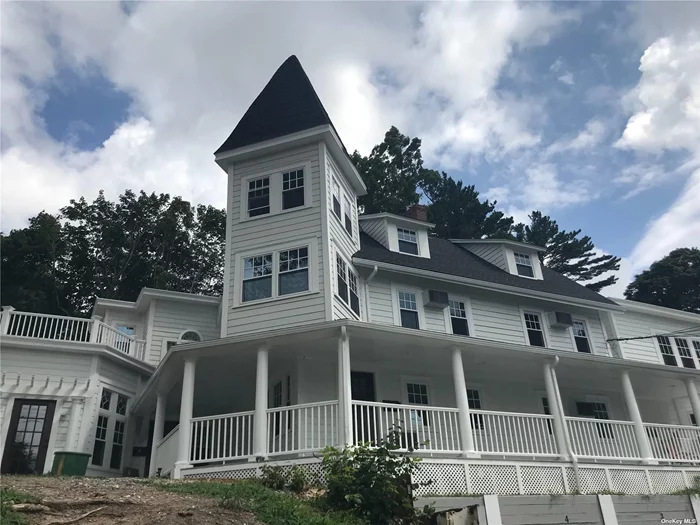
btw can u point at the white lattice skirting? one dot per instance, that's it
(457, 477)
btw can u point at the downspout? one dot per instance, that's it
(567, 436)
(371, 276)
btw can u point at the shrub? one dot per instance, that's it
(374, 482)
(298, 480)
(273, 477)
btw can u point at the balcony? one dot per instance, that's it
(77, 330)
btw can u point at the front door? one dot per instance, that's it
(363, 417)
(28, 437)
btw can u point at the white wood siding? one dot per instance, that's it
(381, 309)
(114, 317)
(171, 318)
(493, 253)
(273, 230)
(498, 321)
(117, 377)
(42, 363)
(377, 229)
(632, 324)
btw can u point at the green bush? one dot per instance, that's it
(298, 480)
(374, 482)
(273, 477)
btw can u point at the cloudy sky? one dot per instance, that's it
(589, 112)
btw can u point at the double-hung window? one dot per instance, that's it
(347, 288)
(336, 198)
(596, 410)
(108, 449)
(257, 277)
(293, 271)
(523, 264)
(666, 350)
(696, 346)
(535, 332)
(684, 352)
(581, 337)
(417, 394)
(259, 197)
(474, 401)
(408, 309)
(348, 215)
(408, 241)
(292, 189)
(458, 317)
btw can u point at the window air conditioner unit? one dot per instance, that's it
(559, 319)
(437, 299)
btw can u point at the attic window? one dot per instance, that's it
(190, 335)
(408, 241)
(524, 265)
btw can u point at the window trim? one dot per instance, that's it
(531, 265)
(587, 328)
(470, 319)
(674, 349)
(419, 380)
(275, 176)
(349, 270)
(310, 243)
(395, 288)
(534, 259)
(199, 334)
(545, 332)
(398, 241)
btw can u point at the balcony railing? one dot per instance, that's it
(513, 434)
(603, 438)
(302, 428)
(69, 329)
(221, 438)
(674, 442)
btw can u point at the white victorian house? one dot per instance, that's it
(504, 376)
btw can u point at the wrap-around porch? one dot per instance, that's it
(469, 400)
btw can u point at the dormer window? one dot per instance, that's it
(292, 189)
(523, 264)
(259, 197)
(408, 241)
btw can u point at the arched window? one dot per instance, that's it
(190, 335)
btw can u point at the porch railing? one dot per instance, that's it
(674, 442)
(166, 452)
(222, 437)
(302, 428)
(513, 434)
(69, 329)
(421, 428)
(602, 438)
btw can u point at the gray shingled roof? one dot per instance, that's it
(450, 259)
(287, 104)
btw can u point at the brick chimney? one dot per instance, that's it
(418, 212)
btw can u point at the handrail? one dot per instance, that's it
(307, 405)
(219, 416)
(603, 438)
(167, 436)
(302, 428)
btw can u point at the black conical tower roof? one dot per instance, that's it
(287, 104)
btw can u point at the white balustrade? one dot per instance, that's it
(674, 442)
(70, 329)
(603, 438)
(421, 428)
(46, 326)
(166, 452)
(513, 434)
(302, 428)
(222, 437)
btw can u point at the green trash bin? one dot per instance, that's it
(70, 463)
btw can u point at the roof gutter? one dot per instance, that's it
(489, 286)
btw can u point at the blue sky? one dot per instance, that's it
(589, 112)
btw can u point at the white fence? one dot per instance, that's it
(513, 434)
(221, 438)
(421, 428)
(602, 438)
(674, 442)
(71, 329)
(166, 452)
(302, 428)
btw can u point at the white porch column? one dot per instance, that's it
(6, 316)
(186, 406)
(464, 416)
(694, 398)
(158, 425)
(345, 429)
(557, 412)
(260, 417)
(639, 433)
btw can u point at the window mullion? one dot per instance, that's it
(275, 273)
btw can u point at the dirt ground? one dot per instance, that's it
(125, 500)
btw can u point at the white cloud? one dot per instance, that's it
(567, 78)
(589, 137)
(191, 72)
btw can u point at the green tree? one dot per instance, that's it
(457, 211)
(673, 282)
(566, 252)
(113, 250)
(391, 173)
